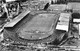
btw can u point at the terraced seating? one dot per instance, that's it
(63, 23)
(17, 19)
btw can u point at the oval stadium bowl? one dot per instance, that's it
(35, 27)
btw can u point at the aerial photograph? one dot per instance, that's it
(39, 25)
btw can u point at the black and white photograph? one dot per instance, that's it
(39, 25)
